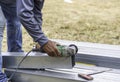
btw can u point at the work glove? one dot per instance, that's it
(51, 48)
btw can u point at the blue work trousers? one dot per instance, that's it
(14, 33)
(3, 77)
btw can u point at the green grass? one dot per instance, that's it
(95, 21)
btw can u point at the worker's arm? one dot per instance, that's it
(29, 12)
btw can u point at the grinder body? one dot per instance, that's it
(63, 49)
(67, 50)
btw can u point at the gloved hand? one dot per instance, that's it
(51, 49)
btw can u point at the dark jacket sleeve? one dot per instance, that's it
(29, 12)
(8, 1)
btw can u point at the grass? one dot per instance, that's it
(96, 21)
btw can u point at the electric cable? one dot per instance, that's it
(11, 76)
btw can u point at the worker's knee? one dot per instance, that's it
(13, 24)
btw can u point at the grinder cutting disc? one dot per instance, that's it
(76, 48)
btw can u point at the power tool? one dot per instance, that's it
(67, 50)
(63, 49)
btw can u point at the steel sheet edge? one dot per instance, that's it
(43, 76)
(36, 60)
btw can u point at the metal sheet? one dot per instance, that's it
(95, 49)
(43, 76)
(94, 53)
(62, 75)
(103, 61)
(36, 61)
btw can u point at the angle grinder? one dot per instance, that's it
(63, 49)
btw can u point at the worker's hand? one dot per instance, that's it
(51, 49)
